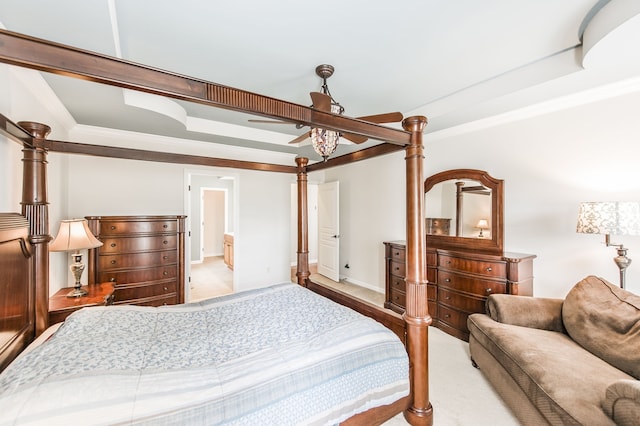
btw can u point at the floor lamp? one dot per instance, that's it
(611, 218)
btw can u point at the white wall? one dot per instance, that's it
(550, 163)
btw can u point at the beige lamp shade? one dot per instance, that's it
(609, 217)
(483, 224)
(74, 235)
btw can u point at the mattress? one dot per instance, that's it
(281, 355)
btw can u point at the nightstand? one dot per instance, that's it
(61, 306)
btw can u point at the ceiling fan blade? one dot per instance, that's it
(390, 117)
(301, 137)
(354, 138)
(321, 101)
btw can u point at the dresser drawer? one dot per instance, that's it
(432, 291)
(466, 284)
(170, 299)
(138, 244)
(137, 227)
(139, 275)
(397, 253)
(127, 293)
(397, 269)
(455, 319)
(158, 258)
(397, 283)
(473, 266)
(461, 302)
(398, 298)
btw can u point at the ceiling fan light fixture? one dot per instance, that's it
(324, 141)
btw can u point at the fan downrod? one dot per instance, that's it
(324, 71)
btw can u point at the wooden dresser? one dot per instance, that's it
(458, 282)
(143, 256)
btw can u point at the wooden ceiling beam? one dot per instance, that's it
(30, 52)
(155, 156)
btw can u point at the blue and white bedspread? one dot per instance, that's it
(281, 355)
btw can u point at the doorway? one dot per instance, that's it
(210, 199)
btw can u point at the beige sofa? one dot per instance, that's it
(563, 362)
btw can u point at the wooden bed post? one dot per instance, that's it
(35, 207)
(417, 318)
(302, 269)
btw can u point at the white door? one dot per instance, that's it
(329, 231)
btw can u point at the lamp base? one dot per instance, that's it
(77, 292)
(77, 267)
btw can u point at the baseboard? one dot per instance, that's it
(361, 284)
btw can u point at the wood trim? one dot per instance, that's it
(162, 157)
(374, 151)
(378, 415)
(15, 132)
(30, 52)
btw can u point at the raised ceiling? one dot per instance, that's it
(462, 64)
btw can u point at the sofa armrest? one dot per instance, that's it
(533, 312)
(622, 402)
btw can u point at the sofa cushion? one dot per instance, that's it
(605, 320)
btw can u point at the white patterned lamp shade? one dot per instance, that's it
(609, 217)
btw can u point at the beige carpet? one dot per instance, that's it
(210, 278)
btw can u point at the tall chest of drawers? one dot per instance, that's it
(143, 256)
(459, 283)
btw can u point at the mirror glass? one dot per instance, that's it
(458, 208)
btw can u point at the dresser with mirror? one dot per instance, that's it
(466, 262)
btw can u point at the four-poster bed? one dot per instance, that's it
(412, 328)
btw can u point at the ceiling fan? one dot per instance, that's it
(325, 141)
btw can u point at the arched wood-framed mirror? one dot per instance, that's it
(464, 210)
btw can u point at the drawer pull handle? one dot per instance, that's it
(165, 242)
(113, 227)
(489, 290)
(489, 269)
(165, 273)
(165, 257)
(448, 298)
(447, 316)
(113, 262)
(113, 244)
(112, 280)
(447, 280)
(397, 253)
(165, 289)
(165, 226)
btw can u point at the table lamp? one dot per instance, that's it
(74, 235)
(482, 224)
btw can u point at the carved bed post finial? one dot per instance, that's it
(35, 207)
(302, 272)
(417, 318)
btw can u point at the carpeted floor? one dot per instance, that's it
(210, 278)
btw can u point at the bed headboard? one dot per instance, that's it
(17, 322)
